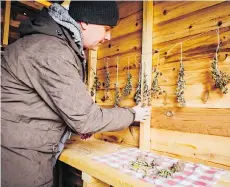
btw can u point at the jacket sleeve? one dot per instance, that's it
(61, 86)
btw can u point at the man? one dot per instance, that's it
(43, 91)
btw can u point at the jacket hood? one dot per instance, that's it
(42, 24)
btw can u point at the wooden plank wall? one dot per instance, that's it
(201, 130)
(126, 43)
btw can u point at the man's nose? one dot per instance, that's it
(108, 35)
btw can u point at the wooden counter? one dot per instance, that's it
(79, 153)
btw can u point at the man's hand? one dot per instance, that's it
(142, 113)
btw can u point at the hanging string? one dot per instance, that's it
(117, 71)
(181, 53)
(158, 60)
(218, 47)
(128, 65)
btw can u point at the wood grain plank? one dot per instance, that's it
(169, 10)
(193, 120)
(129, 8)
(204, 147)
(198, 22)
(127, 43)
(128, 25)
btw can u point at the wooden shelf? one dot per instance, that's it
(79, 153)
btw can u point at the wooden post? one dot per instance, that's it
(89, 181)
(92, 68)
(146, 67)
(6, 23)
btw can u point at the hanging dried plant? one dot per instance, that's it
(181, 86)
(107, 82)
(128, 87)
(181, 83)
(156, 90)
(117, 93)
(221, 78)
(96, 84)
(137, 96)
(117, 96)
(146, 92)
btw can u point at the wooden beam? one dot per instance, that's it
(89, 181)
(146, 67)
(6, 22)
(32, 4)
(92, 68)
(44, 3)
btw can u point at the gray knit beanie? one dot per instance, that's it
(95, 12)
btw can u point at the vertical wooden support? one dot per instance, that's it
(6, 23)
(146, 67)
(89, 181)
(92, 68)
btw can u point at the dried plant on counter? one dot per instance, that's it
(128, 87)
(221, 78)
(181, 83)
(151, 168)
(96, 84)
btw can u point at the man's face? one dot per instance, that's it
(94, 35)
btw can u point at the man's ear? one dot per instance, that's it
(84, 25)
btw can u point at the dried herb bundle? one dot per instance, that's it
(107, 83)
(221, 78)
(117, 93)
(128, 87)
(117, 96)
(181, 81)
(146, 92)
(107, 80)
(181, 86)
(137, 96)
(151, 169)
(96, 84)
(156, 90)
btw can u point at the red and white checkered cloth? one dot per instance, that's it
(194, 175)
